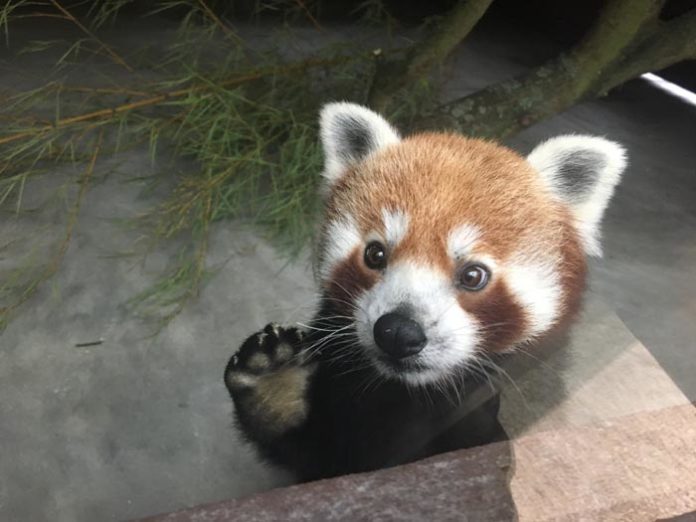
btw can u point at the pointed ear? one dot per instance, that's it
(349, 133)
(582, 171)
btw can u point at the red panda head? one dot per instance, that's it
(440, 247)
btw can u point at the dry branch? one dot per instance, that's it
(309, 15)
(111, 112)
(55, 261)
(216, 20)
(114, 55)
(391, 76)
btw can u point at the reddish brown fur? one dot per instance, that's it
(502, 318)
(573, 272)
(442, 181)
(350, 279)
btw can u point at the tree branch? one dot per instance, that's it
(432, 51)
(509, 106)
(671, 43)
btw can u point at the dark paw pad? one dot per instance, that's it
(265, 352)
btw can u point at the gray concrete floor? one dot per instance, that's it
(139, 425)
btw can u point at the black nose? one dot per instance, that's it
(399, 335)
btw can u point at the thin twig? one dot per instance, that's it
(105, 90)
(311, 18)
(94, 37)
(43, 15)
(179, 93)
(89, 343)
(216, 20)
(55, 262)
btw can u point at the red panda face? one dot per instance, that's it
(442, 248)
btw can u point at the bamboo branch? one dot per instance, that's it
(216, 20)
(309, 15)
(43, 15)
(172, 95)
(431, 52)
(104, 90)
(54, 263)
(94, 37)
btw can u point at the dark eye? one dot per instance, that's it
(473, 277)
(375, 255)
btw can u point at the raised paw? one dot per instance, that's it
(265, 352)
(268, 378)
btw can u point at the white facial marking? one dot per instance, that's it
(395, 226)
(342, 236)
(461, 241)
(451, 332)
(538, 289)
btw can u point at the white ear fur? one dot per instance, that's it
(349, 133)
(583, 172)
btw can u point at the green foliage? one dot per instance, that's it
(243, 119)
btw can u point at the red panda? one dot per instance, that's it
(434, 250)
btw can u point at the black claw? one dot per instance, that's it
(293, 336)
(273, 329)
(265, 341)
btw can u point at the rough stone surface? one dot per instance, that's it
(636, 468)
(463, 486)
